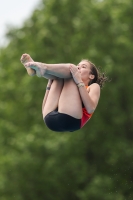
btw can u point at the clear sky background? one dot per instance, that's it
(14, 12)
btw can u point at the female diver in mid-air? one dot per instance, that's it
(72, 92)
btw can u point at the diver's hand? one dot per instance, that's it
(75, 74)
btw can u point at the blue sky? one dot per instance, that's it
(15, 12)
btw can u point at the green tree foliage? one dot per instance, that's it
(96, 162)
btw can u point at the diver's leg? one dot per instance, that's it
(70, 102)
(66, 97)
(58, 70)
(53, 97)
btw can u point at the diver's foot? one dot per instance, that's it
(39, 67)
(25, 58)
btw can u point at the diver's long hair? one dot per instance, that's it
(99, 78)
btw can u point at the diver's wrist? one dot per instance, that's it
(80, 84)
